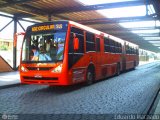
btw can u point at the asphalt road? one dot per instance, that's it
(130, 93)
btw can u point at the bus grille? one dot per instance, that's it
(43, 78)
(39, 68)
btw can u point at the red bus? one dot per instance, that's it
(66, 53)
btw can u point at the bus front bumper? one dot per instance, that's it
(44, 78)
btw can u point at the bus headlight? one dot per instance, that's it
(23, 69)
(58, 69)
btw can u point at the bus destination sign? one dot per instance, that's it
(46, 27)
(42, 28)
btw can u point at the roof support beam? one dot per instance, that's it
(6, 25)
(29, 10)
(148, 34)
(32, 21)
(11, 3)
(130, 29)
(115, 20)
(118, 31)
(156, 44)
(6, 16)
(21, 26)
(35, 11)
(153, 40)
(97, 7)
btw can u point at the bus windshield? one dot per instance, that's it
(43, 47)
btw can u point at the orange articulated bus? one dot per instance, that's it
(66, 53)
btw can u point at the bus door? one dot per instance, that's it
(75, 61)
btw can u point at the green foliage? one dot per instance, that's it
(4, 47)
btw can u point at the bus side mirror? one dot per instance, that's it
(76, 43)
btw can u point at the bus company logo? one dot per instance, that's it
(38, 76)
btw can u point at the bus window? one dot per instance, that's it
(90, 42)
(112, 46)
(119, 48)
(80, 35)
(106, 45)
(97, 44)
(127, 49)
(25, 51)
(58, 43)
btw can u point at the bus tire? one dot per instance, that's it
(118, 69)
(89, 76)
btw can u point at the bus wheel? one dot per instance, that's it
(118, 69)
(89, 77)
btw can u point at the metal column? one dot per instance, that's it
(15, 44)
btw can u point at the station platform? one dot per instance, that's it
(9, 79)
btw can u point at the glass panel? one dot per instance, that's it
(46, 47)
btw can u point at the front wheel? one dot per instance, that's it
(89, 77)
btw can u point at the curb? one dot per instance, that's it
(152, 106)
(155, 103)
(11, 85)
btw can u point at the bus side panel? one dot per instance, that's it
(131, 61)
(98, 65)
(79, 69)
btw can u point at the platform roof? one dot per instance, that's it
(44, 10)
